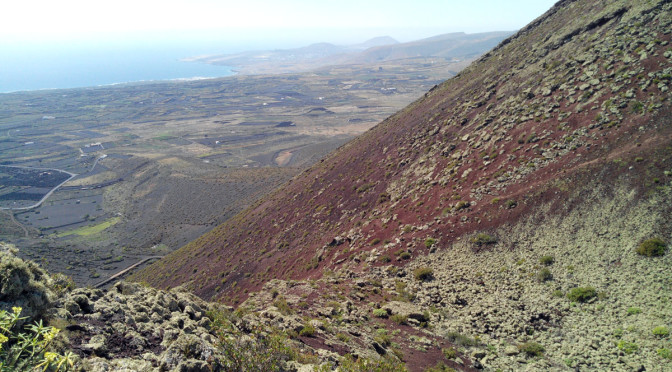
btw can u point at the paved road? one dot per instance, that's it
(72, 175)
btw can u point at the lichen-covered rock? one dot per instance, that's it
(24, 284)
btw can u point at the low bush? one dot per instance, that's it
(461, 340)
(423, 273)
(581, 294)
(429, 242)
(634, 310)
(544, 275)
(380, 313)
(308, 330)
(652, 248)
(661, 331)
(283, 306)
(627, 347)
(532, 349)
(547, 260)
(399, 319)
(483, 239)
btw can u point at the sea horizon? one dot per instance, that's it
(53, 68)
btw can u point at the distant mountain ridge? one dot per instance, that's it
(459, 46)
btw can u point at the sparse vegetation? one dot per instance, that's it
(652, 247)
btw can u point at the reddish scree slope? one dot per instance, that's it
(583, 85)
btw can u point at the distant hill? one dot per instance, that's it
(454, 46)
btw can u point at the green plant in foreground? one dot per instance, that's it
(665, 353)
(581, 294)
(652, 248)
(25, 351)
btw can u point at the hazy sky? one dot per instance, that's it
(301, 20)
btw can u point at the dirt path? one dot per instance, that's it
(11, 217)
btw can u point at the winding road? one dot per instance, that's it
(47, 195)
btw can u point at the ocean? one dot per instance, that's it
(55, 67)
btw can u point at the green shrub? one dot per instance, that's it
(399, 319)
(429, 242)
(544, 275)
(404, 255)
(385, 258)
(627, 347)
(375, 241)
(547, 260)
(634, 310)
(652, 247)
(665, 353)
(449, 353)
(308, 330)
(460, 339)
(423, 273)
(558, 293)
(581, 294)
(483, 239)
(283, 306)
(380, 313)
(661, 331)
(532, 349)
(28, 351)
(258, 352)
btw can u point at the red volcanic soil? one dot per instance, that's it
(567, 99)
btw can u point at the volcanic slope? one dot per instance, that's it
(534, 172)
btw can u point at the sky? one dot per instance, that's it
(280, 21)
